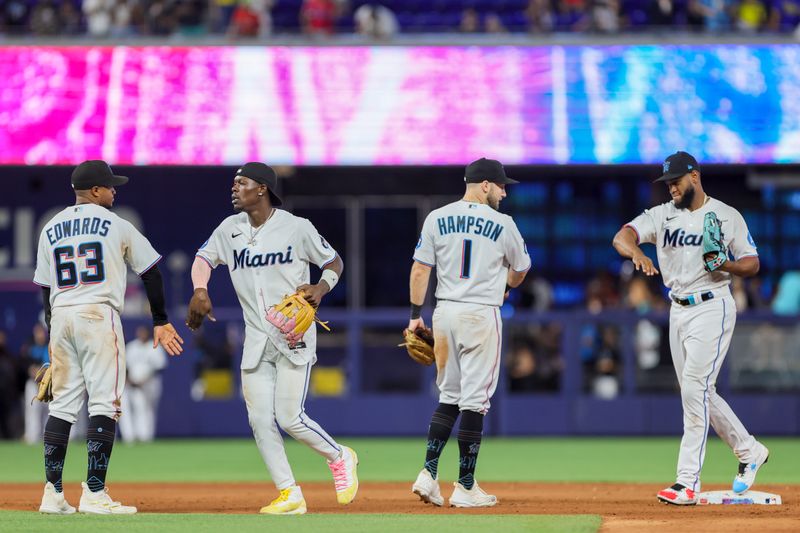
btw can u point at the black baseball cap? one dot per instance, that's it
(95, 173)
(487, 170)
(263, 174)
(677, 165)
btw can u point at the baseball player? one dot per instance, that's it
(81, 268)
(478, 253)
(702, 316)
(143, 388)
(268, 252)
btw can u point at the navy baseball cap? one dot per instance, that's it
(263, 174)
(95, 173)
(487, 170)
(677, 165)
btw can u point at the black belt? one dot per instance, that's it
(691, 300)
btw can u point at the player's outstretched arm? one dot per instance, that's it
(168, 338)
(625, 242)
(200, 304)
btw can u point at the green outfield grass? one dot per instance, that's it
(20, 521)
(647, 460)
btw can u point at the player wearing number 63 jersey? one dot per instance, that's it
(81, 268)
(477, 252)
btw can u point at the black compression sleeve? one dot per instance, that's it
(46, 305)
(154, 287)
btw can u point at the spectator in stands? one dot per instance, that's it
(375, 21)
(535, 362)
(570, 15)
(535, 293)
(784, 16)
(751, 16)
(34, 354)
(159, 19)
(222, 15)
(470, 21)
(540, 16)
(45, 18)
(662, 13)
(318, 17)
(9, 391)
(69, 17)
(605, 16)
(712, 15)
(492, 23)
(190, 17)
(99, 17)
(244, 22)
(787, 299)
(14, 15)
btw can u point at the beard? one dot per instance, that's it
(493, 201)
(686, 199)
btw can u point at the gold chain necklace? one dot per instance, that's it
(253, 234)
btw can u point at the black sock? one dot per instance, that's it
(99, 442)
(442, 422)
(469, 444)
(56, 438)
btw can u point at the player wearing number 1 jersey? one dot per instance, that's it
(81, 268)
(478, 253)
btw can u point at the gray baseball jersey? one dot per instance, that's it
(82, 255)
(472, 247)
(264, 272)
(678, 236)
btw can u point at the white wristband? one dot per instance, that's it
(330, 277)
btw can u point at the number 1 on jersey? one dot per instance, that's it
(466, 258)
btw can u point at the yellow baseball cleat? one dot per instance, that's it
(290, 501)
(345, 475)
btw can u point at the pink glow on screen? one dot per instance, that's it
(225, 105)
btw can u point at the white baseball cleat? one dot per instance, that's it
(474, 497)
(101, 503)
(54, 502)
(427, 488)
(678, 494)
(747, 473)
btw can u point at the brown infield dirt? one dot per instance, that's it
(624, 507)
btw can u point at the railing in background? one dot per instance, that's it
(377, 390)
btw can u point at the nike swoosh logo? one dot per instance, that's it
(234, 235)
(670, 218)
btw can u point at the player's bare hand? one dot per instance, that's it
(644, 264)
(313, 293)
(168, 338)
(415, 323)
(199, 308)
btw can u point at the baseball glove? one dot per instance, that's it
(419, 345)
(44, 379)
(293, 316)
(715, 254)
